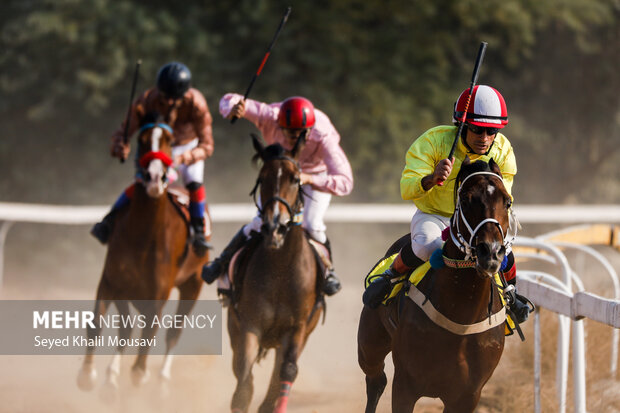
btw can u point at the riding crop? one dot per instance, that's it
(133, 92)
(262, 63)
(474, 79)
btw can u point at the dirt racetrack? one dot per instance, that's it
(55, 262)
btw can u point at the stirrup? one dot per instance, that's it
(201, 246)
(332, 284)
(225, 296)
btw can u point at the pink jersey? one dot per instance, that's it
(322, 152)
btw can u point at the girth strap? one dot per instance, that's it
(431, 312)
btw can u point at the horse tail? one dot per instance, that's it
(262, 353)
(320, 302)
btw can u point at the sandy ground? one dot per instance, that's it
(52, 262)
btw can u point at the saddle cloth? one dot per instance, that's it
(414, 278)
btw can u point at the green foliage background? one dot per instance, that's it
(384, 71)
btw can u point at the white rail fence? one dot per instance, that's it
(554, 293)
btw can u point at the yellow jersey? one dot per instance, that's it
(433, 146)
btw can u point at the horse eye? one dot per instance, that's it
(508, 203)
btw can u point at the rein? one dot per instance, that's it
(294, 214)
(470, 261)
(149, 156)
(461, 243)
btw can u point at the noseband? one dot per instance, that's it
(151, 155)
(466, 246)
(294, 214)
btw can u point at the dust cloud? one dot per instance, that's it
(60, 262)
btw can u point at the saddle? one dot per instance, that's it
(179, 197)
(413, 278)
(234, 282)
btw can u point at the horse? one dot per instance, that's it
(451, 358)
(147, 256)
(276, 288)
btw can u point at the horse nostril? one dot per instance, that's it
(501, 253)
(483, 250)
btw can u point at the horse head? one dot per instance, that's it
(479, 226)
(280, 190)
(154, 153)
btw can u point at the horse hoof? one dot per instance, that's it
(109, 392)
(164, 387)
(86, 379)
(139, 376)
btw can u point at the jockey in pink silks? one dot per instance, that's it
(325, 170)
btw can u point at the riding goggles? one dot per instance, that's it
(479, 129)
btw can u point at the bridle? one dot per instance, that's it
(296, 211)
(155, 153)
(467, 247)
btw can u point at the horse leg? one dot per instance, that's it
(290, 351)
(466, 403)
(245, 353)
(88, 373)
(188, 292)
(373, 344)
(109, 392)
(274, 384)
(139, 373)
(404, 396)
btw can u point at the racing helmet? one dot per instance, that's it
(487, 107)
(296, 113)
(173, 79)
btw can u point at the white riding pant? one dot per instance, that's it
(315, 207)
(193, 172)
(426, 233)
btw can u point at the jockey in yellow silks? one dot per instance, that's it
(428, 178)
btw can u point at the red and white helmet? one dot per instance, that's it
(486, 108)
(296, 113)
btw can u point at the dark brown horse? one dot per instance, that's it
(453, 357)
(147, 256)
(276, 300)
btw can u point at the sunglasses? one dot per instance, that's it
(479, 129)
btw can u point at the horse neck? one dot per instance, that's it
(463, 291)
(146, 211)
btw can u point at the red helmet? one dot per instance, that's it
(296, 113)
(486, 107)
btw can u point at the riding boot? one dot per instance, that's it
(199, 242)
(102, 230)
(379, 289)
(332, 284)
(219, 265)
(520, 306)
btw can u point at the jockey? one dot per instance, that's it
(427, 165)
(185, 110)
(325, 169)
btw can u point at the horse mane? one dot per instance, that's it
(151, 117)
(273, 151)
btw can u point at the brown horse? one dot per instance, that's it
(147, 256)
(276, 301)
(452, 358)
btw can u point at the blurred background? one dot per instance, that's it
(384, 71)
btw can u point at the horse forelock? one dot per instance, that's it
(476, 167)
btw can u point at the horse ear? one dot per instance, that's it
(299, 145)
(466, 161)
(258, 144)
(495, 167)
